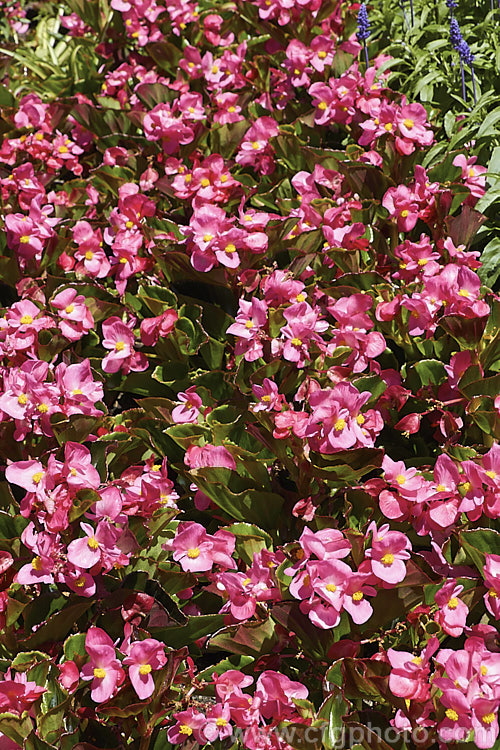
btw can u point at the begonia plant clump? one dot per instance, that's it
(249, 376)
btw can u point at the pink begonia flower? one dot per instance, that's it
(303, 327)
(277, 694)
(79, 581)
(268, 397)
(321, 587)
(248, 327)
(109, 507)
(297, 63)
(400, 202)
(143, 657)
(411, 120)
(337, 423)
(103, 669)
(485, 721)
(77, 469)
(118, 337)
(409, 676)
(198, 551)
(160, 124)
(153, 328)
(200, 457)
(189, 409)
(76, 318)
(116, 155)
(32, 113)
(452, 613)
(189, 725)
(326, 544)
(492, 581)
(78, 389)
(229, 108)
(355, 592)
(407, 481)
(31, 475)
(29, 398)
(46, 554)
(18, 694)
(456, 723)
(96, 547)
(230, 681)
(323, 50)
(387, 554)
(255, 149)
(92, 260)
(473, 175)
(255, 585)
(218, 726)
(69, 676)
(6, 561)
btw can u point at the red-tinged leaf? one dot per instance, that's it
(249, 638)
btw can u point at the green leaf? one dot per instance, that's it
(196, 627)
(25, 660)
(11, 527)
(490, 258)
(346, 467)
(479, 542)
(58, 625)
(483, 387)
(249, 540)
(74, 647)
(249, 505)
(488, 128)
(332, 710)
(425, 372)
(17, 728)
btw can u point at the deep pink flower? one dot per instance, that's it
(69, 676)
(153, 328)
(142, 658)
(189, 725)
(401, 205)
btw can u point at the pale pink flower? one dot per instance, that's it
(103, 669)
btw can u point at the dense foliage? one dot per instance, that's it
(250, 375)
